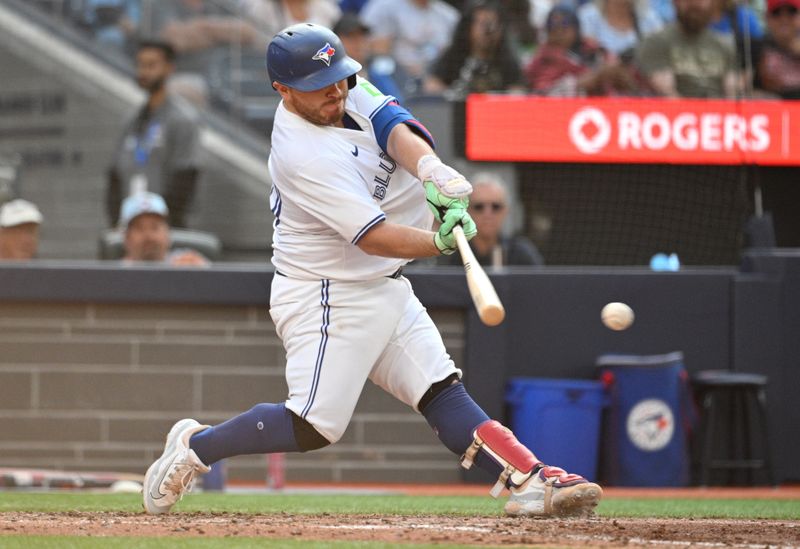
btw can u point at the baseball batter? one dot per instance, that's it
(352, 172)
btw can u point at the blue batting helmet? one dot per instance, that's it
(309, 57)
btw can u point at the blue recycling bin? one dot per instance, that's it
(559, 420)
(646, 429)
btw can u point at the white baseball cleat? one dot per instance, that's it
(172, 475)
(551, 492)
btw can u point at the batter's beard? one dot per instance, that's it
(313, 114)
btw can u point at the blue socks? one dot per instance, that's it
(268, 428)
(453, 415)
(264, 429)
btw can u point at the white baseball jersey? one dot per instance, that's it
(330, 186)
(341, 319)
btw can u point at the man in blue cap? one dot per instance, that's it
(144, 219)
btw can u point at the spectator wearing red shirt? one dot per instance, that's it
(569, 65)
(778, 69)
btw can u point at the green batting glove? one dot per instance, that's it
(440, 203)
(445, 240)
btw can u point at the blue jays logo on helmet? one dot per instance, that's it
(293, 57)
(324, 54)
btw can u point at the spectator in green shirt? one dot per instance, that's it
(687, 59)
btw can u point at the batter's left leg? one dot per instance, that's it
(536, 489)
(417, 370)
(191, 448)
(264, 429)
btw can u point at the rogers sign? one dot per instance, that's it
(590, 130)
(632, 130)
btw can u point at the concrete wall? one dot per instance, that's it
(97, 360)
(96, 386)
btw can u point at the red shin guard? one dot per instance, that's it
(500, 443)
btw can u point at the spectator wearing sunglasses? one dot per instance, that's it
(488, 206)
(778, 67)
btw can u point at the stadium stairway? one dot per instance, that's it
(63, 105)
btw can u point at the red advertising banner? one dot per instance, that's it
(508, 128)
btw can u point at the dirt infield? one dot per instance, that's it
(596, 532)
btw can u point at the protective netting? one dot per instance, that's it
(623, 214)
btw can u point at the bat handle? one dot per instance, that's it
(461, 239)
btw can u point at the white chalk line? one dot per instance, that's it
(574, 537)
(478, 529)
(474, 529)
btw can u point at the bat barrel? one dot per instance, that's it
(489, 307)
(492, 315)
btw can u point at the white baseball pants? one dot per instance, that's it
(338, 334)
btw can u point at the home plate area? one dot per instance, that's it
(477, 531)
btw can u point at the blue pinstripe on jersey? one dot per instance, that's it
(323, 343)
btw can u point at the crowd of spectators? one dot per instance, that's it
(420, 48)
(735, 48)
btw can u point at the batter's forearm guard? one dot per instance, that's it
(500, 443)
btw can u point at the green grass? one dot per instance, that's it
(394, 504)
(333, 504)
(702, 508)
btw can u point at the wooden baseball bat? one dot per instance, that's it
(490, 309)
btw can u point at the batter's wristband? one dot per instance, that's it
(435, 245)
(444, 250)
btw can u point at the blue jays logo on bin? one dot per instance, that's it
(324, 54)
(650, 425)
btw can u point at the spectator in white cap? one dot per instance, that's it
(19, 230)
(144, 219)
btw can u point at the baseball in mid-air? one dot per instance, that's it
(617, 316)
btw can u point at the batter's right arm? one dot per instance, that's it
(406, 147)
(408, 142)
(392, 240)
(416, 155)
